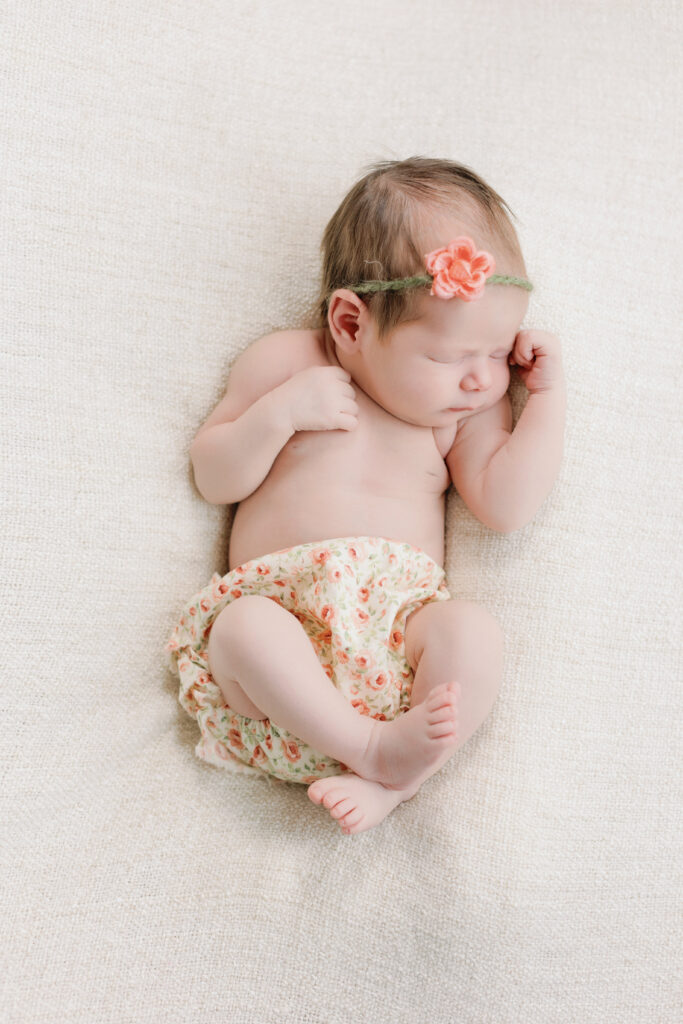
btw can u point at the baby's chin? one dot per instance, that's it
(438, 418)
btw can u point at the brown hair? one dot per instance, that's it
(374, 233)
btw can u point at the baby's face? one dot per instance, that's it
(450, 361)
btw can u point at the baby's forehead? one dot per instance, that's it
(495, 312)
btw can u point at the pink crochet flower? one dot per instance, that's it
(459, 270)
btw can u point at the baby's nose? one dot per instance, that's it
(477, 380)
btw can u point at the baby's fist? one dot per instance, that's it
(538, 358)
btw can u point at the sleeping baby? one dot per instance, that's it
(332, 653)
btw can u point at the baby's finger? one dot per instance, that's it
(347, 421)
(523, 354)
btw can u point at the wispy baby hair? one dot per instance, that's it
(377, 230)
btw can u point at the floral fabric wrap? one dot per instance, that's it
(352, 596)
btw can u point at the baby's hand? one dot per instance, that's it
(321, 398)
(538, 358)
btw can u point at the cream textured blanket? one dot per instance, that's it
(167, 169)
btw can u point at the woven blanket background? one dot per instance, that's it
(167, 169)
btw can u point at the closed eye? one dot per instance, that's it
(495, 355)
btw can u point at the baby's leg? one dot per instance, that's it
(256, 647)
(456, 641)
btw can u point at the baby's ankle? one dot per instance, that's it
(370, 765)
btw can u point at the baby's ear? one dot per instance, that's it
(345, 315)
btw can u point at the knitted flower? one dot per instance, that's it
(459, 270)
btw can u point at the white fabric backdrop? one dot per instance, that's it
(167, 169)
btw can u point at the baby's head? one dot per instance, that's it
(385, 225)
(390, 220)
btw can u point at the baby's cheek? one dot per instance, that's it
(502, 377)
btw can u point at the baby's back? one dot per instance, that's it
(385, 478)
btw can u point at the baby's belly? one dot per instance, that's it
(279, 515)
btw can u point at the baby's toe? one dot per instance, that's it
(359, 825)
(342, 808)
(332, 798)
(354, 817)
(441, 730)
(316, 792)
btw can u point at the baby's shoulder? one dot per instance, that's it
(292, 350)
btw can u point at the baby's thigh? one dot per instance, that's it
(247, 634)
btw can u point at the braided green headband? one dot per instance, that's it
(458, 270)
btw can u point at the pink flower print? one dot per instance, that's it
(377, 680)
(459, 270)
(364, 660)
(360, 706)
(262, 569)
(320, 555)
(363, 594)
(356, 552)
(361, 618)
(236, 593)
(188, 701)
(222, 751)
(205, 604)
(334, 575)
(396, 639)
(328, 614)
(235, 739)
(258, 755)
(221, 588)
(291, 750)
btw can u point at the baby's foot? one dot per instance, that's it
(357, 804)
(404, 752)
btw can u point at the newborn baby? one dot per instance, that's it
(331, 653)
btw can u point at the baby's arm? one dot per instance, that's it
(236, 446)
(273, 391)
(504, 476)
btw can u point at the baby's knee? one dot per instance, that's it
(474, 619)
(241, 621)
(466, 623)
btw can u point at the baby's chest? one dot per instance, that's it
(383, 454)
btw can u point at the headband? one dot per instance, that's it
(457, 271)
